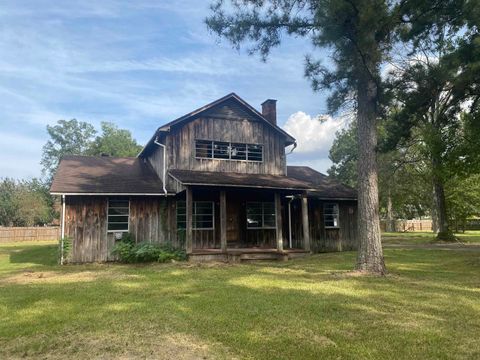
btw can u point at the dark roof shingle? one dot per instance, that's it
(190, 177)
(89, 174)
(321, 185)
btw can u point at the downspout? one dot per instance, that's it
(164, 164)
(63, 229)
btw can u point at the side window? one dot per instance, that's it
(331, 215)
(118, 215)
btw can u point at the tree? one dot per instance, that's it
(24, 203)
(70, 137)
(432, 92)
(114, 142)
(359, 34)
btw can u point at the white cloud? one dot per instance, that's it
(314, 134)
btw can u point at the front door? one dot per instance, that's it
(234, 221)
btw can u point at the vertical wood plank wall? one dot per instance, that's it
(154, 219)
(86, 225)
(225, 123)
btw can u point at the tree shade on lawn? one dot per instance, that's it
(306, 308)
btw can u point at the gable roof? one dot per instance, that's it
(230, 97)
(105, 175)
(321, 185)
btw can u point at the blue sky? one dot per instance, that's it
(138, 64)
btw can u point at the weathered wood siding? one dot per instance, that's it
(321, 239)
(224, 123)
(86, 225)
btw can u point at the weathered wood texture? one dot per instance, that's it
(224, 123)
(86, 225)
(31, 233)
(343, 238)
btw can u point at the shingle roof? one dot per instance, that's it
(321, 185)
(113, 175)
(190, 177)
(89, 174)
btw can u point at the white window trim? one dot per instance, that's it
(263, 216)
(338, 216)
(230, 155)
(128, 224)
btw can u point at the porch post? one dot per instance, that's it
(278, 217)
(305, 225)
(223, 220)
(189, 235)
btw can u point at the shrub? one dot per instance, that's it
(64, 249)
(129, 252)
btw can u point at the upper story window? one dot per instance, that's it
(331, 215)
(207, 149)
(118, 215)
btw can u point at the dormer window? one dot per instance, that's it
(207, 149)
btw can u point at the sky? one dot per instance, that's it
(139, 64)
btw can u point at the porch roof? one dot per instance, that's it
(265, 181)
(321, 185)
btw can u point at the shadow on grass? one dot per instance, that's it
(40, 255)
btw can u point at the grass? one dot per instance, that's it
(426, 308)
(417, 237)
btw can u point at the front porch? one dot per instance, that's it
(234, 224)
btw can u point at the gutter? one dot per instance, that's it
(164, 164)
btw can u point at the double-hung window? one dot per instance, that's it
(331, 215)
(207, 149)
(260, 215)
(118, 215)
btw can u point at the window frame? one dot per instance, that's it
(263, 227)
(108, 216)
(230, 143)
(337, 214)
(194, 210)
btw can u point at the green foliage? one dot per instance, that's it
(75, 137)
(67, 137)
(129, 252)
(114, 142)
(25, 203)
(64, 249)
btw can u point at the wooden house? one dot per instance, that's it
(215, 182)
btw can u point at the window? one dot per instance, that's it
(331, 215)
(203, 215)
(203, 148)
(207, 149)
(181, 215)
(118, 215)
(260, 215)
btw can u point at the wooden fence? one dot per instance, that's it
(11, 234)
(408, 225)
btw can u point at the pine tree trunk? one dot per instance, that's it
(434, 213)
(370, 253)
(444, 232)
(390, 223)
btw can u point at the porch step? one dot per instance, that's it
(263, 256)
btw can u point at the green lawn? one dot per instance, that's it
(428, 307)
(417, 237)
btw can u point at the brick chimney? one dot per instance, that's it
(269, 110)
